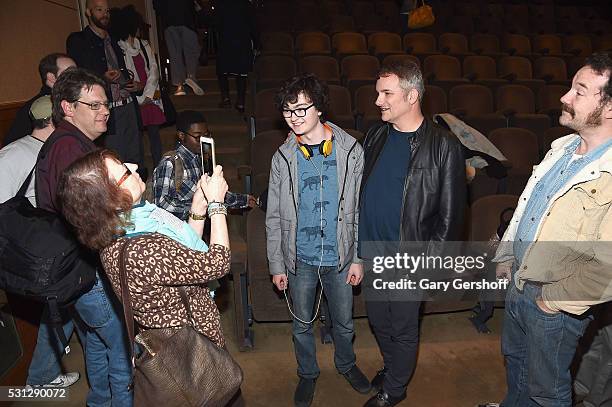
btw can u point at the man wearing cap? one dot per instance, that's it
(18, 158)
(16, 161)
(49, 68)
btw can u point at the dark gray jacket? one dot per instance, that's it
(283, 201)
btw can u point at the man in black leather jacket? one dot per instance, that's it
(413, 190)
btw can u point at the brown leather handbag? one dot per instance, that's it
(178, 367)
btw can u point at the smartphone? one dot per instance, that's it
(207, 153)
(125, 78)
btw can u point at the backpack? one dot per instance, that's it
(40, 258)
(179, 174)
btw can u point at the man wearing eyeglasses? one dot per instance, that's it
(81, 111)
(177, 174)
(311, 228)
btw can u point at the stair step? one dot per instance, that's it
(229, 128)
(207, 71)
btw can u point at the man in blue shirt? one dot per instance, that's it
(556, 249)
(311, 228)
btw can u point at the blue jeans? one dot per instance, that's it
(339, 294)
(107, 358)
(538, 349)
(46, 359)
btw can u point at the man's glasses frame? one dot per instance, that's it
(95, 105)
(207, 134)
(299, 112)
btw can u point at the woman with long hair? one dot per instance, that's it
(102, 199)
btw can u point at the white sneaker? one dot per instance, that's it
(194, 86)
(64, 380)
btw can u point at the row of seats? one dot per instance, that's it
(520, 146)
(513, 23)
(330, 16)
(477, 105)
(441, 70)
(382, 43)
(561, 9)
(296, 22)
(384, 17)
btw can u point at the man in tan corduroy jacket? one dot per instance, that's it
(558, 247)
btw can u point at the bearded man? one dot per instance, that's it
(556, 249)
(95, 50)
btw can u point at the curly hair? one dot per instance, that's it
(601, 64)
(96, 207)
(125, 22)
(313, 88)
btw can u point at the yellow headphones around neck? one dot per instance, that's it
(325, 147)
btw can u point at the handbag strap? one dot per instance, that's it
(126, 299)
(185, 301)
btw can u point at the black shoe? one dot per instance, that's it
(304, 392)
(240, 108)
(358, 380)
(378, 380)
(382, 399)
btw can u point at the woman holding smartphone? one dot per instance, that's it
(101, 197)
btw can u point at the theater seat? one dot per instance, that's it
(474, 105)
(517, 103)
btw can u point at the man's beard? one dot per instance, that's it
(99, 23)
(593, 119)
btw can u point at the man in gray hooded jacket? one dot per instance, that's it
(311, 226)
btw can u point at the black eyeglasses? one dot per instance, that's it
(207, 134)
(125, 175)
(95, 105)
(301, 112)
